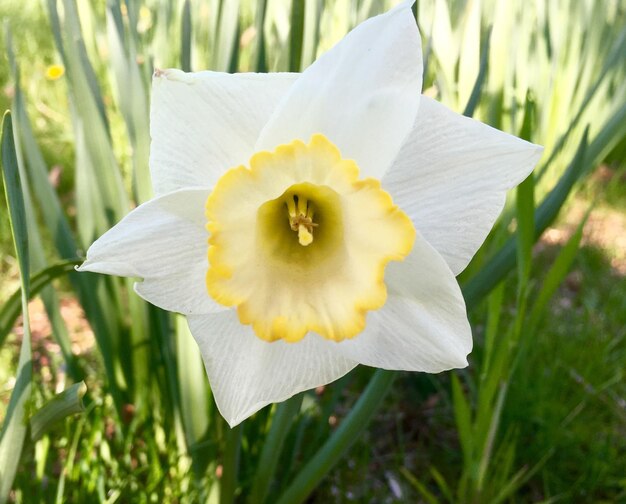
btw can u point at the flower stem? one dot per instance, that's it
(347, 433)
(230, 466)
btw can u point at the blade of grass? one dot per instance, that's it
(477, 90)
(525, 208)
(230, 465)
(296, 35)
(14, 427)
(469, 54)
(193, 391)
(259, 54)
(463, 418)
(311, 35)
(488, 448)
(272, 448)
(556, 274)
(426, 494)
(341, 440)
(226, 37)
(69, 402)
(185, 41)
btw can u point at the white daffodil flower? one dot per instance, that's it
(338, 205)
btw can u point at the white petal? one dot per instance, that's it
(163, 241)
(247, 373)
(451, 178)
(207, 122)
(362, 95)
(423, 326)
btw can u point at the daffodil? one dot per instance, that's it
(54, 72)
(306, 223)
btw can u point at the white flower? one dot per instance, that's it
(311, 267)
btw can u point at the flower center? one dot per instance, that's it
(286, 227)
(299, 243)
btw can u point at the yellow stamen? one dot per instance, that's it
(301, 218)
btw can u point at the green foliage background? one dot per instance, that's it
(540, 414)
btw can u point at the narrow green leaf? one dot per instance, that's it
(469, 52)
(132, 97)
(272, 448)
(521, 477)
(69, 402)
(477, 90)
(557, 273)
(426, 494)
(14, 197)
(525, 207)
(192, 386)
(442, 484)
(463, 418)
(488, 448)
(259, 54)
(14, 427)
(185, 38)
(494, 311)
(311, 35)
(12, 308)
(525, 204)
(341, 440)
(225, 50)
(296, 35)
(230, 465)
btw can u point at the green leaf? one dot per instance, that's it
(192, 389)
(14, 197)
(14, 426)
(272, 447)
(341, 440)
(557, 273)
(463, 418)
(69, 402)
(12, 308)
(469, 53)
(260, 58)
(296, 35)
(185, 41)
(525, 206)
(230, 465)
(477, 90)
(426, 494)
(225, 53)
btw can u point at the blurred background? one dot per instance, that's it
(539, 415)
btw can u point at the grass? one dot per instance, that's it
(541, 409)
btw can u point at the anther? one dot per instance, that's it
(301, 219)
